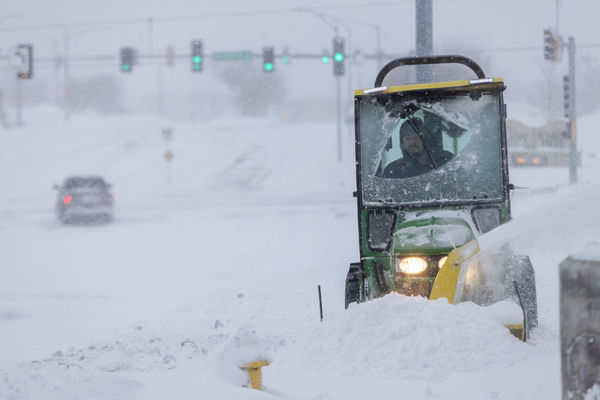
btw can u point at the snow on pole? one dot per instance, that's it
(580, 322)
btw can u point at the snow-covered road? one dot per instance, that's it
(219, 259)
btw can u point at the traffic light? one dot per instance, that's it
(338, 56)
(551, 45)
(127, 58)
(25, 53)
(566, 95)
(197, 56)
(268, 59)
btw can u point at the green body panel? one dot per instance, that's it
(398, 247)
(430, 236)
(406, 233)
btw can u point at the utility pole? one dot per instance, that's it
(553, 49)
(67, 36)
(66, 75)
(572, 113)
(424, 37)
(338, 90)
(338, 103)
(19, 103)
(379, 50)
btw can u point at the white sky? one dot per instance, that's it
(458, 25)
(498, 23)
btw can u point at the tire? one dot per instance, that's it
(353, 284)
(525, 282)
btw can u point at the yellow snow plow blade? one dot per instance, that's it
(447, 280)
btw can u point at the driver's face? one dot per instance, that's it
(412, 142)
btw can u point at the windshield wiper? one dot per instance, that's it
(407, 113)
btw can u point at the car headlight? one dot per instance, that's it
(411, 265)
(442, 261)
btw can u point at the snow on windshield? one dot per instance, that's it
(460, 157)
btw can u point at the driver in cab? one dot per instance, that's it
(417, 158)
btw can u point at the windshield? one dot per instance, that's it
(424, 151)
(85, 184)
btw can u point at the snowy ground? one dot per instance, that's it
(216, 261)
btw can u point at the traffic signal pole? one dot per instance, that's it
(338, 95)
(338, 71)
(66, 76)
(424, 37)
(572, 113)
(19, 103)
(553, 45)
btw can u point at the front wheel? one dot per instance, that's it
(524, 279)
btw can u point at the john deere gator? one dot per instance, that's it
(432, 176)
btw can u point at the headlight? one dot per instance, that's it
(472, 275)
(442, 261)
(411, 265)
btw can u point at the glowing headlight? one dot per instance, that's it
(411, 265)
(442, 261)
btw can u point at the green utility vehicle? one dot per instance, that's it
(432, 176)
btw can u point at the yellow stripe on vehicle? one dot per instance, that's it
(517, 330)
(424, 86)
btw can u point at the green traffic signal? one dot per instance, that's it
(268, 66)
(339, 57)
(127, 58)
(197, 57)
(197, 63)
(325, 59)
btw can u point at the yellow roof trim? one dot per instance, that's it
(422, 86)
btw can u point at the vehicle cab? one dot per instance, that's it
(458, 188)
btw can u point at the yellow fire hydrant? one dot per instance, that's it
(254, 372)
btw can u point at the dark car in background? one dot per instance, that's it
(84, 199)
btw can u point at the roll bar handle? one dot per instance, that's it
(449, 59)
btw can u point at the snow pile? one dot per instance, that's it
(407, 337)
(214, 259)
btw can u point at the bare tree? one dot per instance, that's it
(101, 93)
(253, 91)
